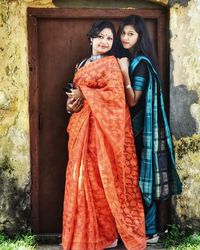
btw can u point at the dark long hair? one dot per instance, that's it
(143, 46)
(97, 27)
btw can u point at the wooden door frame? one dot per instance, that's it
(34, 14)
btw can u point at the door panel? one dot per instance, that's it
(57, 41)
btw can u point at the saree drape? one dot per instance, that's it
(150, 180)
(102, 195)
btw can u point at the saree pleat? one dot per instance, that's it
(102, 194)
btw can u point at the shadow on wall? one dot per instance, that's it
(181, 120)
(14, 201)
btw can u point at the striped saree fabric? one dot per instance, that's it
(150, 179)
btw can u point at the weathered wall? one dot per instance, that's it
(185, 69)
(14, 118)
(185, 107)
(186, 207)
(15, 176)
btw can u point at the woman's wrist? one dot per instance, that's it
(68, 109)
(125, 73)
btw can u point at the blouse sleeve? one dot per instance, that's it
(139, 77)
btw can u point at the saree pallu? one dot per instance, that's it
(102, 195)
(153, 169)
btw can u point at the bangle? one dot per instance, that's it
(128, 86)
(68, 111)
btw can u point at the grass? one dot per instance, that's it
(179, 240)
(174, 240)
(23, 242)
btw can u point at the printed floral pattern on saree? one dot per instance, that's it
(102, 195)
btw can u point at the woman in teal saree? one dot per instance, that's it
(158, 179)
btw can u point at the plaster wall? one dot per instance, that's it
(15, 178)
(185, 69)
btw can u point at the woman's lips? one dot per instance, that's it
(104, 47)
(125, 43)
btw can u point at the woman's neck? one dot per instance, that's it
(96, 57)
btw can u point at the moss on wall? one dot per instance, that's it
(186, 146)
(14, 201)
(186, 209)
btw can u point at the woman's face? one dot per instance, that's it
(129, 37)
(103, 42)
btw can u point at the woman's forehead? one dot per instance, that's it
(106, 31)
(128, 28)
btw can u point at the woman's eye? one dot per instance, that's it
(99, 36)
(130, 34)
(110, 38)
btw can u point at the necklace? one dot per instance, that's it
(95, 57)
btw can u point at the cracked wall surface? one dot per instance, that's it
(186, 209)
(15, 177)
(185, 69)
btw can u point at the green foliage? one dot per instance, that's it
(187, 144)
(23, 242)
(179, 240)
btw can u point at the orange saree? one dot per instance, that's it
(102, 196)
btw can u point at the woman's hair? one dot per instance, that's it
(143, 46)
(98, 26)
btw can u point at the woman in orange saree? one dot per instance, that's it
(102, 196)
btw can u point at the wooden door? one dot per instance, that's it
(57, 41)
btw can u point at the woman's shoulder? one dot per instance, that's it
(113, 63)
(81, 63)
(140, 61)
(143, 64)
(111, 59)
(107, 61)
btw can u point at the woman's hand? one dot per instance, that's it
(74, 105)
(124, 64)
(75, 94)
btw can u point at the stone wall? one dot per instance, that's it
(185, 107)
(186, 209)
(185, 69)
(15, 178)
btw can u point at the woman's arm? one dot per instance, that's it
(132, 96)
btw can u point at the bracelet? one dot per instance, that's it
(68, 111)
(128, 86)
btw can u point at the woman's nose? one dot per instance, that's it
(125, 37)
(105, 39)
